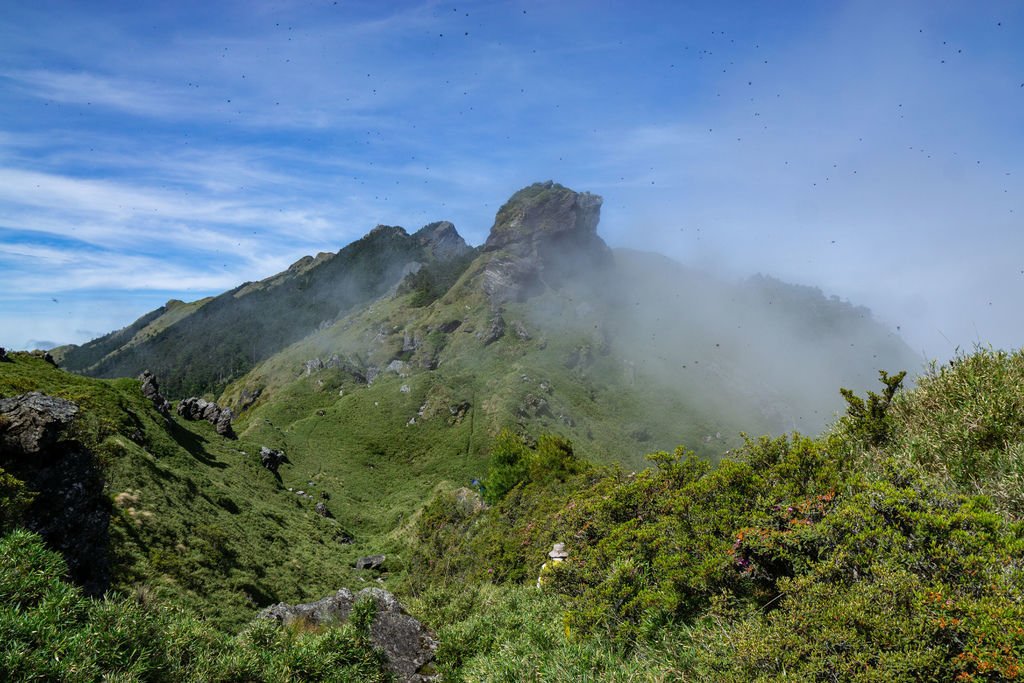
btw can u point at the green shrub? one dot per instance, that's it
(14, 499)
(513, 462)
(869, 419)
(964, 422)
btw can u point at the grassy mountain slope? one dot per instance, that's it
(224, 337)
(392, 411)
(194, 517)
(547, 330)
(139, 331)
(864, 554)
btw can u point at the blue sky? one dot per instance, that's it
(172, 150)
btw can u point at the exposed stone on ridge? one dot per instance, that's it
(495, 332)
(442, 240)
(543, 233)
(151, 390)
(194, 408)
(32, 422)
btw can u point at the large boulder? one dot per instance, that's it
(272, 459)
(31, 422)
(408, 645)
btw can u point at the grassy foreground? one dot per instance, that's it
(887, 549)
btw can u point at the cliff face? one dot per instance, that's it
(544, 234)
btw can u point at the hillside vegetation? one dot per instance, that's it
(198, 348)
(863, 554)
(456, 412)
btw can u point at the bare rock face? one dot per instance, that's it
(442, 241)
(408, 645)
(545, 232)
(70, 512)
(32, 422)
(496, 330)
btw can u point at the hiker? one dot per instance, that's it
(557, 555)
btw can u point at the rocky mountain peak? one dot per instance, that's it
(543, 211)
(381, 230)
(542, 234)
(442, 240)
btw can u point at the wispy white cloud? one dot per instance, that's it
(129, 95)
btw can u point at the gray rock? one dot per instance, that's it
(347, 366)
(194, 408)
(411, 341)
(223, 423)
(151, 390)
(321, 509)
(496, 331)
(313, 365)
(70, 510)
(371, 562)
(32, 422)
(407, 644)
(543, 233)
(272, 459)
(442, 240)
(534, 406)
(458, 412)
(248, 398)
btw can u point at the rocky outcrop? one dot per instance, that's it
(151, 390)
(313, 365)
(544, 233)
(495, 332)
(442, 241)
(3, 355)
(247, 398)
(407, 644)
(375, 562)
(346, 365)
(194, 408)
(272, 459)
(70, 510)
(32, 422)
